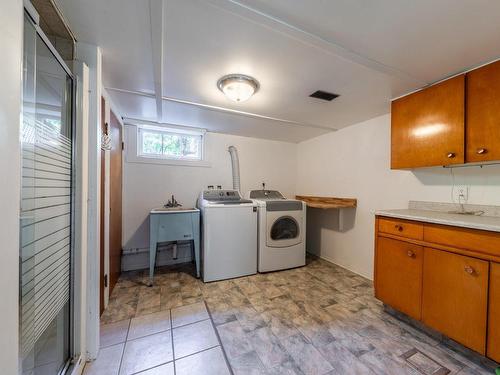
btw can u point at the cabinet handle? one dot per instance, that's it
(481, 151)
(398, 227)
(450, 155)
(410, 253)
(469, 270)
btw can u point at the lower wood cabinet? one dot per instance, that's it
(448, 278)
(494, 313)
(455, 297)
(399, 263)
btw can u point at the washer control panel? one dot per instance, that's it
(221, 195)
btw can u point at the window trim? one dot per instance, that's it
(156, 130)
(133, 146)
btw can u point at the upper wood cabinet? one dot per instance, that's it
(483, 114)
(494, 313)
(428, 126)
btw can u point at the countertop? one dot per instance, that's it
(489, 223)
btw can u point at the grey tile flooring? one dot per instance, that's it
(114, 333)
(149, 324)
(236, 342)
(247, 364)
(317, 319)
(107, 362)
(147, 352)
(306, 356)
(208, 362)
(166, 369)
(193, 338)
(187, 314)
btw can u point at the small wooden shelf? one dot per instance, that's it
(327, 202)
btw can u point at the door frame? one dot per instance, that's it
(105, 235)
(81, 119)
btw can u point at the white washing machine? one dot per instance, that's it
(281, 231)
(228, 240)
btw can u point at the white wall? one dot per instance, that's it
(355, 162)
(146, 186)
(92, 56)
(11, 41)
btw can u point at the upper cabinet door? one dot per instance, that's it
(428, 126)
(483, 114)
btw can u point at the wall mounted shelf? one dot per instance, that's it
(327, 202)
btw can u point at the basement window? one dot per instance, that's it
(169, 143)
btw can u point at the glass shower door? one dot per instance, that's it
(46, 200)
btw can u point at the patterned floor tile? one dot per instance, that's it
(316, 319)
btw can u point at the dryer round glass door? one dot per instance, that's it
(283, 231)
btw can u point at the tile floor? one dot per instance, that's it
(178, 341)
(318, 319)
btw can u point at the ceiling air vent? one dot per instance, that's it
(323, 95)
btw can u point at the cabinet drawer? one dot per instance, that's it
(455, 295)
(399, 275)
(404, 228)
(463, 238)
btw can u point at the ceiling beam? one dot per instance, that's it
(220, 109)
(156, 9)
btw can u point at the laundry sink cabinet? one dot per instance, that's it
(173, 224)
(446, 277)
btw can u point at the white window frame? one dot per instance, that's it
(133, 148)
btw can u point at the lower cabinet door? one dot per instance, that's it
(399, 275)
(455, 297)
(493, 350)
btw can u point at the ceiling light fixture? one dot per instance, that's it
(238, 87)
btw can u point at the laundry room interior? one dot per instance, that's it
(212, 187)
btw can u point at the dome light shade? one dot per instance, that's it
(238, 87)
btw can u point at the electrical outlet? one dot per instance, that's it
(461, 193)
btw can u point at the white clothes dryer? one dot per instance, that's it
(281, 231)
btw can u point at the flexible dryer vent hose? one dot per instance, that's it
(235, 165)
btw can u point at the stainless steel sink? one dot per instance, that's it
(458, 212)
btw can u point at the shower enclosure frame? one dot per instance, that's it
(75, 357)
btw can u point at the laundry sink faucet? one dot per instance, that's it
(172, 203)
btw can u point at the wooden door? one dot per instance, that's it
(101, 245)
(115, 202)
(493, 348)
(455, 296)
(399, 275)
(427, 127)
(483, 114)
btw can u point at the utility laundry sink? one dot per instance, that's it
(166, 210)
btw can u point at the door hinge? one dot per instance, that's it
(105, 281)
(123, 145)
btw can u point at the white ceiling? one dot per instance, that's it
(174, 51)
